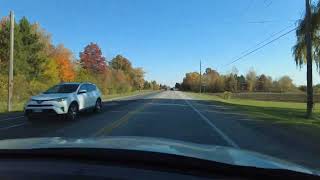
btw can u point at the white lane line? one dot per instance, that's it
(167, 104)
(11, 118)
(224, 136)
(16, 125)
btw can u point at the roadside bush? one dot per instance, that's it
(21, 88)
(227, 95)
(4, 88)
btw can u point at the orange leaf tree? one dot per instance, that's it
(63, 58)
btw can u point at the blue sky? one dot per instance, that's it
(169, 37)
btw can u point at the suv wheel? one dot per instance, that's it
(98, 106)
(73, 112)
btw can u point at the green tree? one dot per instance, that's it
(177, 86)
(264, 83)
(4, 44)
(303, 88)
(251, 80)
(242, 84)
(30, 59)
(32, 65)
(155, 86)
(285, 84)
(231, 82)
(147, 85)
(299, 49)
(121, 63)
(308, 28)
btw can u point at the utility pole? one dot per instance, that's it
(10, 80)
(200, 78)
(309, 60)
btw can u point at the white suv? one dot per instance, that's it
(65, 99)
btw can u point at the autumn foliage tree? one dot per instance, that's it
(63, 58)
(214, 82)
(121, 63)
(191, 81)
(91, 59)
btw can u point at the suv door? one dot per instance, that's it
(95, 94)
(92, 94)
(83, 97)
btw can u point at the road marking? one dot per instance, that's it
(11, 118)
(167, 104)
(16, 125)
(109, 128)
(224, 136)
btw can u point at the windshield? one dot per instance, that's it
(237, 74)
(62, 88)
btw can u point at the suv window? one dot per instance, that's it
(91, 87)
(62, 88)
(84, 87)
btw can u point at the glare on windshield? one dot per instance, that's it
(64, 88)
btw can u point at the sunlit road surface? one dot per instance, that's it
(174, 115)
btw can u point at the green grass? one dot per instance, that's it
(273, 96)
(18, 106)
(279, 112)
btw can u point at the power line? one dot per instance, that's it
(259, 21)
(270, 21)
(260, 47)
(269, 37)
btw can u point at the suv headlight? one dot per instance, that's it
(59, 99)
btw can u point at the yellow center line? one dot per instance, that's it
(123, 120)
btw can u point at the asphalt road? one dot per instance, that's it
(174, 115)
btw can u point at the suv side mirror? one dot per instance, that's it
(82, 91)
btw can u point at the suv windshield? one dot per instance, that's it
(62, 88)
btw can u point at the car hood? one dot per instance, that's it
(221, 154)
(44, 97)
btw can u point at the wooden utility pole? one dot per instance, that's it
(200, 78)
(10, 79)
(309, 60)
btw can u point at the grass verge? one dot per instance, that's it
(16, 106)
(278, 112)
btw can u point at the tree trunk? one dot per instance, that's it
(309, 61)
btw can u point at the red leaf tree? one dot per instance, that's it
(91, 58)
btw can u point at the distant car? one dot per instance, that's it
(172, 89)
(65, 99)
